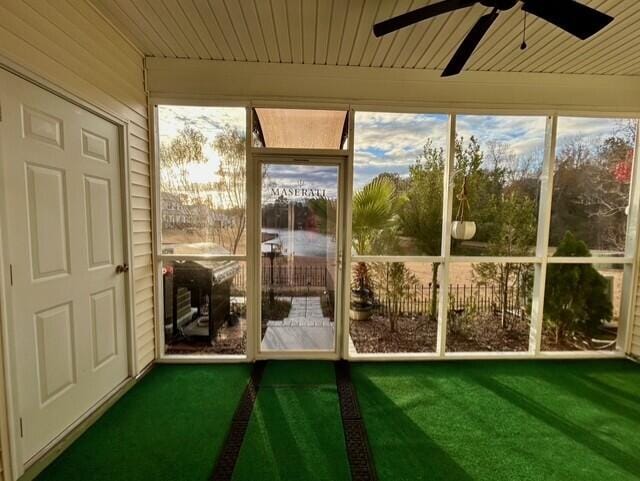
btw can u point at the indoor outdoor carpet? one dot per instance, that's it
(499, 420)
(295, 431)
(170, 427)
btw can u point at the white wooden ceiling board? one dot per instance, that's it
(632, 69)
(139, 14)
(186, 28)
(281, 25)
(538, 37)
(507, 34)
(225, 23)
(268, 30)
(338, 18)
(386, 10)
(434, 28)
(351, 25)
(339, 32)
(128, 27)
(609, 67)
(323, 25)
(294, 20)
(167, 19)
(387, 42)
(417, 34)
(455, 29)
(246, 10)
(399, 45)
(309, 9)
(192, 13)
(364, 33)
(611, 55)
(561, 41)
(565, 55)
(211, 22)
(610, 42)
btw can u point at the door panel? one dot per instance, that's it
(61, 172)
(299, 256)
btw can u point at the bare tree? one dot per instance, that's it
(231, 185)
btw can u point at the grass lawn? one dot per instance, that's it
(500, 420)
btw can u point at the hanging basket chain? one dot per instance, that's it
(464, 201)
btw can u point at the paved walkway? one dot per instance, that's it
(305, 328)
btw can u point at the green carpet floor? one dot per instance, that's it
(477, 421)
(295, 432)
(170, 427)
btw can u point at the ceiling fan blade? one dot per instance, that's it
(569, 15)
(469, 44)
(419, 14)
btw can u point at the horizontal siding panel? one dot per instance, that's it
(140, 179)
(105, 79)
(140, 191)
(142, 226)
(144, 359)
(141, 203)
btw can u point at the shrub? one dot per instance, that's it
(576, 298)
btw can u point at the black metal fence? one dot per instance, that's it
(288, 276)
(476, 298)
(462, 298)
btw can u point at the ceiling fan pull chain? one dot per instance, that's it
(523, 45)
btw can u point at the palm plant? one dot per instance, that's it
(374, 215)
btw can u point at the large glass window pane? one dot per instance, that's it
(299, 264)
(489, 307)
(582, 306)
(204, 307)
(202, 179)
(300, 129)
(591, 184)
(398, 183)
(393, 307)
(496, 184)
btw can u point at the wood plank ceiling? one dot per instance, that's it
(338, 32)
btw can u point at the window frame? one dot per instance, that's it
(540, 260)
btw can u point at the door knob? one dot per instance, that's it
(122, 268)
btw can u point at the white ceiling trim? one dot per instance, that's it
(387, 88)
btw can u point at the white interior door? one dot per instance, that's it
(62, 200)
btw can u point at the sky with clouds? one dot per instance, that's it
(390, 142)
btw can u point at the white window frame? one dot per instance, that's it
(540, 260)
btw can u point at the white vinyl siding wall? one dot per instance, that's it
(69, 44)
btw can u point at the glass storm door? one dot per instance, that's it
(299, 256)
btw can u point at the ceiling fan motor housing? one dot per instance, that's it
(499, 4)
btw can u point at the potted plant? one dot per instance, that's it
(361, 306)
(462, 229)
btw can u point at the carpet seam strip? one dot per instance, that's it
(355, 432)
(228, 457)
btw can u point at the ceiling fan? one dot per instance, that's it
(569, 15)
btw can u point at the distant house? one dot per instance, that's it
(174, 213)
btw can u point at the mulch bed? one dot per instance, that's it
(484, 333)
(413, 334)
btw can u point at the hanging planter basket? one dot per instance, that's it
(462, 229)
